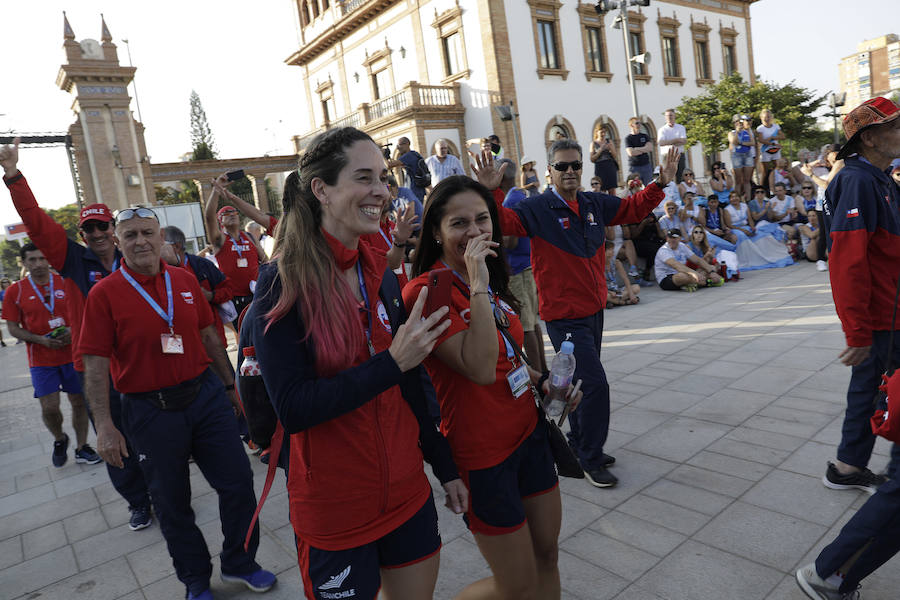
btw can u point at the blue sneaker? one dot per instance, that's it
(258, 581)
(204, 595)
(60, 451)
(86, 455)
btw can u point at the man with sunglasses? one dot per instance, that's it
(150, 327)
(83, 266)
(568, 233)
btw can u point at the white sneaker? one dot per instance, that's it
(821, 265)
(817, 588)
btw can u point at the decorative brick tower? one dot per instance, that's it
(110, 154)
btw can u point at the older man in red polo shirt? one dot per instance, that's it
(150, 326)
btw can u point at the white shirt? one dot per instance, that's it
(681, 254)
(768, 132)
(671, 132)
(441, 170)
(782, 206)
(738, 215)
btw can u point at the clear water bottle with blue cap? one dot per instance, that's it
(561, 371)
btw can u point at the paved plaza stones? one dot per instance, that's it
(727, 403)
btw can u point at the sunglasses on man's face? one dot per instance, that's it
(130, 213)
(562, 167)
(89, 227)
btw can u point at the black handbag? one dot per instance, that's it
(567, 464)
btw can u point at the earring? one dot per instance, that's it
(438, 241)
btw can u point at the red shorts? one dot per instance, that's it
(356, 572)
(496, 493)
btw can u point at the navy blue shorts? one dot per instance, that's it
(496, 493)
(47, 380)
(356, 572)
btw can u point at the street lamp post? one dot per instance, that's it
(604, 6)
(835, 102)
(137, 102)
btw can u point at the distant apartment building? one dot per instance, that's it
(437, 69)
(874, 70)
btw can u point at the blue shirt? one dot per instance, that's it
(404, 196)
(519, 258)
(410, 162)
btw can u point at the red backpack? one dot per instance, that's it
(886, 422)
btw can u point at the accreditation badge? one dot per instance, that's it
(172, 343)
(56, 322)
(242, 263)
(519, 380)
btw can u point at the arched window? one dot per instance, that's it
(558, 128)
(314, 4)
(324, 5)
(304, 13)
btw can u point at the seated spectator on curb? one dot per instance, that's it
(720, 182)
(646, 240)
(725, 260)
(713, 219)
(758, 205)
(759, 245)
(738, 217)
(809, 235)
(783, 211)
(689, 184)
(781, 174)
(633, 184)
(671, 218)
(689, 212)
(672, 272)
(618, 284)
(623, 248)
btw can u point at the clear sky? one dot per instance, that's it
(232, 53)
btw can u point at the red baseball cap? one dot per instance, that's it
(95, 212)
(225, 209)
(876, 111)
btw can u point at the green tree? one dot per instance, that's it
(68, 217)
(202, 141)
(709, 114)
(9, 258)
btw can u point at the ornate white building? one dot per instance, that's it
(430, 69)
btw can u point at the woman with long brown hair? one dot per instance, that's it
(343, 375)
(485, 392)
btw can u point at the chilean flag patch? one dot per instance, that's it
(853, 212)
(564, 222)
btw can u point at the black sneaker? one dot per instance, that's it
(86, 455)
(140, 517)
(601, 477)
(61, 451)
(864, 480)
(608, 460)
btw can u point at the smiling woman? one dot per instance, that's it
(342, 371)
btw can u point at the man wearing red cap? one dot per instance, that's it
(237, 252)
(82, 266)
(862, 214)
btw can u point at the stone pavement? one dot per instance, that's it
(727, 404)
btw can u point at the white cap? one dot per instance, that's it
(525, 160)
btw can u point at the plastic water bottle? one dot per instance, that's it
(561, 370)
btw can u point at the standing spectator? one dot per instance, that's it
(521, 280)
(673, 272)
(862, 214)
(84, 267)
(721, 182)
(768, 133)
(639, 148)
(170, 367)
(528, 178)
(606, 165)
(673, 135)
(343, 373)
(39, 314)
(496, 148)
(567, 251)
(442, 164)
(418, 176)
(742, 144)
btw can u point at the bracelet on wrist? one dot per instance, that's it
(398, 244)
(481, 292)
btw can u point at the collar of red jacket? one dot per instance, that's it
(344, 256)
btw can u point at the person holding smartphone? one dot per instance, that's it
(486, 396)
(343, 373)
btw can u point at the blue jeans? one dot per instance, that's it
(874, 531)
(164, 441)
(589, 424)
(857, 439)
